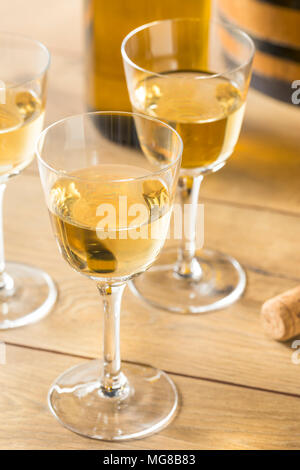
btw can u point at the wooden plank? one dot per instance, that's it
(212, 416)
(227, 345)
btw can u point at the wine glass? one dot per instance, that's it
(26, 293)
(109, 180)
(194, 75)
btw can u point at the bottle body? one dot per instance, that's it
(106, 25)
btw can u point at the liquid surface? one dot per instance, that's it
(21, 121)
(207, 113)
(109, 230)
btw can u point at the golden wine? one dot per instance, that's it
(21, 121)
(106, 24)
(109, 230)
(207, 113)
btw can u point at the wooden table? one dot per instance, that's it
(239, 389)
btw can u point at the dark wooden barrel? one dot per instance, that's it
(274, 25)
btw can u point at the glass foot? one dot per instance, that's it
(77, 402)
(222, 282)
(29, 295)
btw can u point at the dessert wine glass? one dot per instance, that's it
(195, 75)
(109, 180)
(26, 293)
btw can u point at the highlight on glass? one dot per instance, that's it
(26, 293)
(194, 75)
(109, 180)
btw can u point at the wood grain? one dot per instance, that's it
(212, 416)
(228, 345)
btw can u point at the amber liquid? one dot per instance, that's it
(21, 121)
(207, 113)
(106, 25)
(120, 244)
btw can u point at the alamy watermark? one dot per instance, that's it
(140, 222)
(296, 354)
(296, 93)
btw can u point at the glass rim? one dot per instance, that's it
(225, 24)
(65, 174)
(32, 41)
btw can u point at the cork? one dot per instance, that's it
(281, 315)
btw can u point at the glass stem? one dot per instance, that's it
(113, 381)
(187, 264)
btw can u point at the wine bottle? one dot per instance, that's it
(106, 25)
